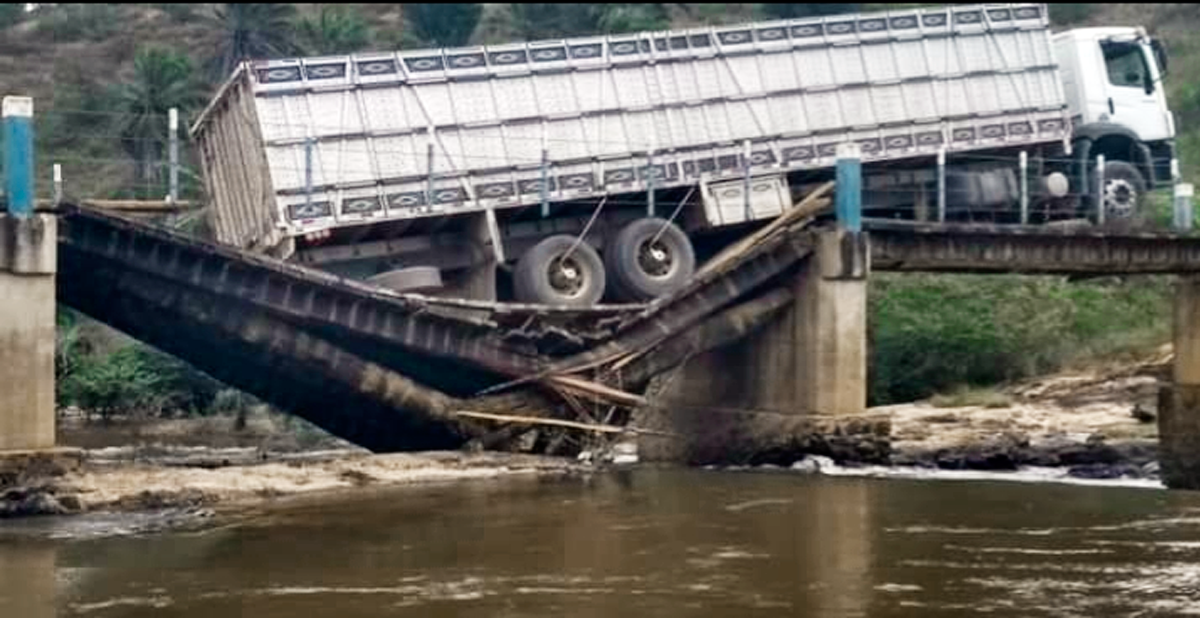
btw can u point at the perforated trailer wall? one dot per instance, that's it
(606, 109)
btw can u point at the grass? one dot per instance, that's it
(967, 397)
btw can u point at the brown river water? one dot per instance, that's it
(643, 542)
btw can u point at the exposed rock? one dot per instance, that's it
(29, 501)
(1105, 472)
(812, 464)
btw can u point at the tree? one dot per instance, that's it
(794, 11)
(11, 14)
(552, 21)
(443, 25)
(1063, 14)
(250, 31)
(162, 79)
(337, 30)
(617, 18)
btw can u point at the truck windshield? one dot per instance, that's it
(1126, 65)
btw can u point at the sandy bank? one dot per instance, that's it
(105, 483)
(1100, 423)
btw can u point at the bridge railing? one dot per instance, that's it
(1019, 189)
(121, 161)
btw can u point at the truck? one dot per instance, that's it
(601, 169)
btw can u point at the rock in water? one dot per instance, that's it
(813, 464)
(624, 453)
(39, 503)
(1142, 415)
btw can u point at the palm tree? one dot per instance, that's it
(249, 31)
(162, 79)
(337, 30)
(552, 21)
(443, 24)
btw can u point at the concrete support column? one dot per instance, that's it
(28, 250)
(829, 328)
(1179, 402)
(805, 369)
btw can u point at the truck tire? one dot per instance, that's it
(642, 271)
(1124, 190)
(543, 276)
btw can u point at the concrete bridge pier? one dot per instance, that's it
(1179, 402)
(28, 261)
(785, 388)
(27, 329)
(798, 384)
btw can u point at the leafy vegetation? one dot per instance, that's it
(163, 79)
(795, 11)
(443, 24)
(1071, 14)
(134, 379)
(67, 23)
(251, 31)
(930, 333)
(337, 30)
(11, 14)
(964, 396)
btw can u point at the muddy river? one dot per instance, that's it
(645, 542)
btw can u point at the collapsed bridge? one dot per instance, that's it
(774, 324)
(395, 371)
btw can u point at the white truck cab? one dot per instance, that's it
(1112, 82)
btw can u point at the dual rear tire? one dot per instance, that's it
(646, 259)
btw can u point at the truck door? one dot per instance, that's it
(1132, 90)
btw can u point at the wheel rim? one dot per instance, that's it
(656, 259)
(1120, 198)
(567, 276)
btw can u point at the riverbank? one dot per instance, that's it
(138, 479)
(1094, 424)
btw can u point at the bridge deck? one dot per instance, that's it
(975, 248)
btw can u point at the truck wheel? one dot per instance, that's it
(547, 275)
(1124, 190)
(643, 267)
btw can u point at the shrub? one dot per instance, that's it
(1069, 14)
(337, 30)
(11, 14)
(962, 397)
(442, 24)
(180, 12)
(930, 333)
(79, 22)
(135, 380)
